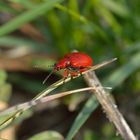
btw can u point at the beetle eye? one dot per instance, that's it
(55, 66)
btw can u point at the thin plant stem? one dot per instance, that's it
(109, 107)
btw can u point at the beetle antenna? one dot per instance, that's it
(48, 76)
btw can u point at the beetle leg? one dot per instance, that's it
(81, 71)
(65, 75)
(73, 74)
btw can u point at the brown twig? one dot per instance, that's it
(32, 103)
(109, 107)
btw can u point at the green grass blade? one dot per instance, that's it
(123, 72)
(116, 7)
(4, 7)
(133, 48)
(84, 114)
(28, 16)
(9, 41)
(72, 13)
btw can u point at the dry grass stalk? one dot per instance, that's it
(109, 107)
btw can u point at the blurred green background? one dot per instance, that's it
(37, 33)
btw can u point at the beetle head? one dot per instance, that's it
(62, 64)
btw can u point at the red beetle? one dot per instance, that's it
(73, 63)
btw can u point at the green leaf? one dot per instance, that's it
(106, 15)
(5, 92)
(47, 135)
(5, 89)
(84, 114)
(9, 41)
(3, 77)
(72, 13)
(4, 7)
(118, 76)
(90, 135)
(28, 16)
(132, 48)
(25, 83)
(116, 7)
